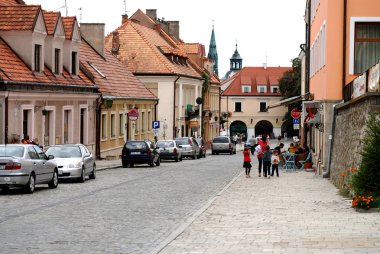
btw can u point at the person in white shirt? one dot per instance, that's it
(275, 160)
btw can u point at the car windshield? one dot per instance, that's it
(162, 144)
(64, 151)
(221, 140)
(6, 151)
(136, 145)
(183, 141)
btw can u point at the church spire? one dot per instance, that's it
(212, 53)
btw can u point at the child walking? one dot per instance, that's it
(247, 161)
(267, 157)
(275, 161)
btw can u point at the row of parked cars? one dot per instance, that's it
(25, 165)
(145, 152)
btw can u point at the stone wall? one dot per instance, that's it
(350, 122)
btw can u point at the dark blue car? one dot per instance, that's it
(139, 152)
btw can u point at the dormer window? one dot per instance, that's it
(57, 54)
(74, 56)
(37, 57)
(274, 89)
(246, 89)
(262, 89)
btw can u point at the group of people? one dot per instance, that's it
(268, 158)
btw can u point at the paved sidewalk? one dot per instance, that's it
(295, 213)
(107, 164)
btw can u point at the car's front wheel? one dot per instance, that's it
(31, 185)
(82, 177)
(93, 173)
(54, 181)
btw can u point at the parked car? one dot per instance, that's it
(202, 147)
(223, 144)
(189, 147)
(169, 150)
(139, 152)
(26, 165)
(74, 161)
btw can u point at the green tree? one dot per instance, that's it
(290, 86)
(367, 179)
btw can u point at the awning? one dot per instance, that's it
(285, 102)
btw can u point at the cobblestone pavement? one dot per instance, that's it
(124, 210)
(295, 213)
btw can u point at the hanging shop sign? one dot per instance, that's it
(359, 86)
(311, 112)
(374, 78)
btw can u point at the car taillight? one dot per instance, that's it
(13, 166)
(149, 152)
(175, 150)
(230, 146)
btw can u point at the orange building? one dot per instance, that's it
(343, 41)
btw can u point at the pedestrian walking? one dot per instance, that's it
(275, 160)
(247, 161)
(267, 159)
(262, 144)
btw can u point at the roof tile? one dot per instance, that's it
(20, 17)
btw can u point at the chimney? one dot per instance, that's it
(174, 28)
(124, 18)
(93, 33)
(152, 13)
(115, 43)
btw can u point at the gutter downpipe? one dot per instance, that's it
(307, 74)
(175, 84)
(327, 174)
(99, 103)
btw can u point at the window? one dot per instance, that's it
(246, 89)
(37, 58)
(367, 45)
(121, 124)
(57, 53)
(143, 122)
(274, 89)
(67, 126)
(263, 106)
(104, 126)
(74, 63)
(113, 125)
(262, 89)
(149, 121)
(237, 106)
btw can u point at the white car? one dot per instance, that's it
(74, 161)
(169, 150)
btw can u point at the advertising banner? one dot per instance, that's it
(311, 111)
(359, 86)
(373, 78)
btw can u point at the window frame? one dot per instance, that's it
(37, 57)
(241, 106)
(262, 109)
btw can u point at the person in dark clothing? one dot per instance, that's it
(279, 148)
(267, 158)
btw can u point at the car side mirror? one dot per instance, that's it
(50, 157)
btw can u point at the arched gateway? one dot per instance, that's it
(238, 127)
(264, 127)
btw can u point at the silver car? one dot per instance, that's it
(223, 144)
(169, 150)
(74, 161)
(189, 147)
(26, 165)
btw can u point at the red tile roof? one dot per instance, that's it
(11, 2)
(12, 68)
(68, 23)
(273, 80)
(20, 17)
(116, 80)
(51, 21)
(141, 49)
(253, 76)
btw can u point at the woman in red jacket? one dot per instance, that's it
(262, 144)
(247, 161)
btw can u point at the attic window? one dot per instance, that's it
(97, 70)
(246, 89)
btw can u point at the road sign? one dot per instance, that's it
(156, 124)
(133, 114)
(296, 121)
(296, 126)
(155, 132)
(295, 114)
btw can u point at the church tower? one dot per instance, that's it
(212, 53)
(236, 64)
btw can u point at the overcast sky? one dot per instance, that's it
(265, 30)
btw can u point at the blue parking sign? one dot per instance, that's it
(296, 120)
(156, 124)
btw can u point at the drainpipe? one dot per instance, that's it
(344, 44)
(175, 84)
(332, 128)
(98, 111)
(6, 106)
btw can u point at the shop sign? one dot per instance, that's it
(311, 112)
(359, 86)
(133, 114)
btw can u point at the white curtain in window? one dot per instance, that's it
(367, 53)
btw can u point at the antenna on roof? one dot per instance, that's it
(125, 6)
(80, 14)
(67, 11)
(64, 6)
